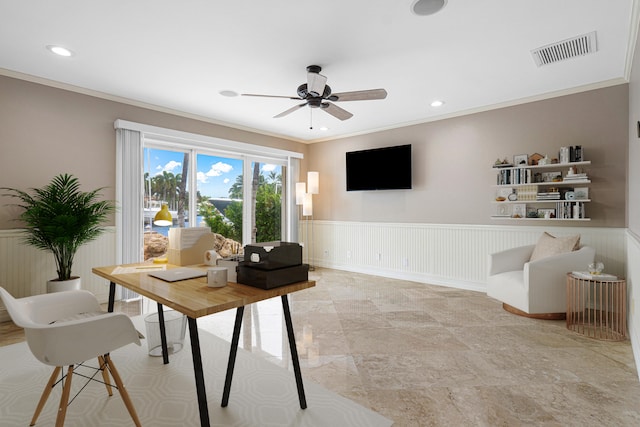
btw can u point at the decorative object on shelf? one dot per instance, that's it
(534, 159)
(520, 160)
(532, 212)
(544, 161)
(551, 176)
(503, 211)
(519, 210)
(581, 193)
(513, 196)
(569, 195)
(546, 213)
(500, 199)
(502, 163)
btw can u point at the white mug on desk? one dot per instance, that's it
(216, 277)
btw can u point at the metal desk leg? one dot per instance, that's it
(112, 296)
(199, 374)
(294, 352)
(232, 356)
(163, 335)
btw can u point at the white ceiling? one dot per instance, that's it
(178, 55)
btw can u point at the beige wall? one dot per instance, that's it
(452, 175)
(45, 131)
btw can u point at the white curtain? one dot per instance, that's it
(129, 198)
(293, 176)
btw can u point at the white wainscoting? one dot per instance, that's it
(24, 270)
(633, 294)
(442, 254)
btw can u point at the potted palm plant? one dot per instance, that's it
(60, 218)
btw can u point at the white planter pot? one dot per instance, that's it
(63, 285)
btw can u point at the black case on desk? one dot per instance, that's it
(268, 279)
(279, 255)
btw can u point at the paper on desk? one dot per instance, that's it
(183, 238)
(139, 269)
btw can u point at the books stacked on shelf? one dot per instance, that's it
(548, 195)
(575, 177)
(570, 210)
(527, 192)
(514, 176)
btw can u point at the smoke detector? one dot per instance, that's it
(427, 7)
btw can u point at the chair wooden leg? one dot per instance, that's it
(64, 399)
(123, 392)
(45, 394)
(105, 374)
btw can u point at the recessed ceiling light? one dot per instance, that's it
(228, 93)
(59, 50)
(324, 128)
(437, 103)
(427, 7)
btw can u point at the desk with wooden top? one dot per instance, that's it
(195, 299)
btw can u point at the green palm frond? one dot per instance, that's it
(60, 218)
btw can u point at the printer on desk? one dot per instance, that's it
(271, 264)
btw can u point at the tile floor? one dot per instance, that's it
(426, 355)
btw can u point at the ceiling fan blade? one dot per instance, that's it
(316, 83)
(336, 111)
(271, 96)
(359, 95)
(290, 110)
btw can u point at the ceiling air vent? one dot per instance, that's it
(570, 48)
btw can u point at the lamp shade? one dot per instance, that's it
(163, 217)
(300, 190)
(313, 182)
(307, 205)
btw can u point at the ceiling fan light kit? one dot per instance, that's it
(317, 94)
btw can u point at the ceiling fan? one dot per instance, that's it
(316, 93)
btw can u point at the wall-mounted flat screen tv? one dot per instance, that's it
(387, 168)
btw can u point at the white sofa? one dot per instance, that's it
(534, 288)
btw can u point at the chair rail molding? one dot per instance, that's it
(454, 255)
(24, 270)
(633, 293)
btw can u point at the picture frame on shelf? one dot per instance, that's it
(581, 193)
(519, 210)
(551, 176)
(546, 213)
(532, 212)
(520, 160)
(504, 192)
(503, 210)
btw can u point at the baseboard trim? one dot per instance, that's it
(542, 316)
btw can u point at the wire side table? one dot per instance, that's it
(597, 308)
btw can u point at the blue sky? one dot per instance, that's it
(215, 174)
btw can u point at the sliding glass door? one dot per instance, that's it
(219, 199)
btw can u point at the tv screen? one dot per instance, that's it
(386, 168)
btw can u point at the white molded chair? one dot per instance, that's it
(67, 328)
(534, 288)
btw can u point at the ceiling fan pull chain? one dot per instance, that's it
(310, 118)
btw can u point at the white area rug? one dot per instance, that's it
(262, 394)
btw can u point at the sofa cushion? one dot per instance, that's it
(549, 245)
